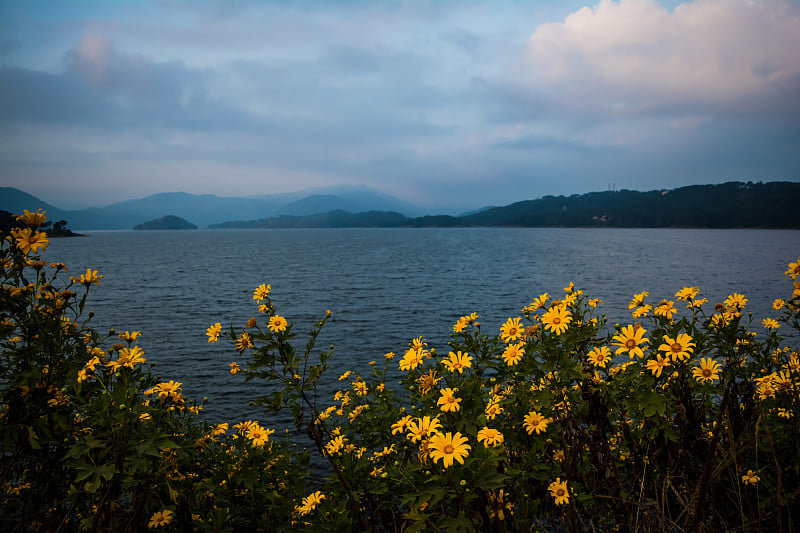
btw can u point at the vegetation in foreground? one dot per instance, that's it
(686, 419)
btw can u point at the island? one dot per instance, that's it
(167, 222)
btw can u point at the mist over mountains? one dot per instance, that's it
(208, 209)
(727, 205)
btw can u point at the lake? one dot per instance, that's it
(386, 286)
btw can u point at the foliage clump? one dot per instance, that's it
(684, 420)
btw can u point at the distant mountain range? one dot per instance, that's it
(728, 205)
(206, 209)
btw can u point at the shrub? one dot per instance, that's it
(685, 419)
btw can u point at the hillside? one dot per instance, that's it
(167, 222)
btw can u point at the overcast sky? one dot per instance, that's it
(442, 103)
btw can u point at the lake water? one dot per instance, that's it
(386, 286)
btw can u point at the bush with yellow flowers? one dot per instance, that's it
(92, 441)
(685, 419)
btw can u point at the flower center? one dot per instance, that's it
(557, 320)
(448, 449)
(630, 343)
(561, 492)
(676, 347)
(706, 373)
(450, 399)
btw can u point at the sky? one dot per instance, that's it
(450, 104)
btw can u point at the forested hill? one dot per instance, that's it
(729, 205)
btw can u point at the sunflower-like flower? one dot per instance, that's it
(448, 447)
(457, 362)
(629, 339)
(657, 365)
(277, 324)
(707, 371)
(490, 437)
(794, 269)
(680, 348)
(536, 422)
(28, 240)
(558, 490)
(160, 518)
(750, 478)
(426, 382)
(423, 428)
(448, 401)
(557, 319)
(261, 292)
(512, 330)
(310, 503)
(513, 354)
(638, 300)
(665, 308)
(599, 356)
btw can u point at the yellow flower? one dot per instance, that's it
(167, 388)
(161, 518)
(235, 369)
(599, 356)
(29, 241)
(213, 332)
(666, 309)
(360, 388)
(638, 299)
(457, 361)
(413, 358)
(130, 337)
(91, 277)
(680, 348)
(493, 409)
(428, 381)
(639, 312)
(498, 504)
(448, 401)
(310, 502)
(513, 354)
(794, 269)
(32, 219)
(558, 490)
(707, 371)
(536, 422)
(401, 425)
(243, 342)
(258, 435)
(594, 302)
(735, 302)
(423, 428)
(557, 319)
(778, 304)
(770, 323)
(448, 447)
(687, 293)
(750, 478)
(490, 437)
(629, 339)
(335, 445)
(277, 324)
(261, 292)
(511, 330)
(657, 365)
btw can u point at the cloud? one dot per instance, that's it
(636, 57)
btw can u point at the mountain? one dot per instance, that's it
(208, 209)
(728, 205)
(332, 219)
(167, 222)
